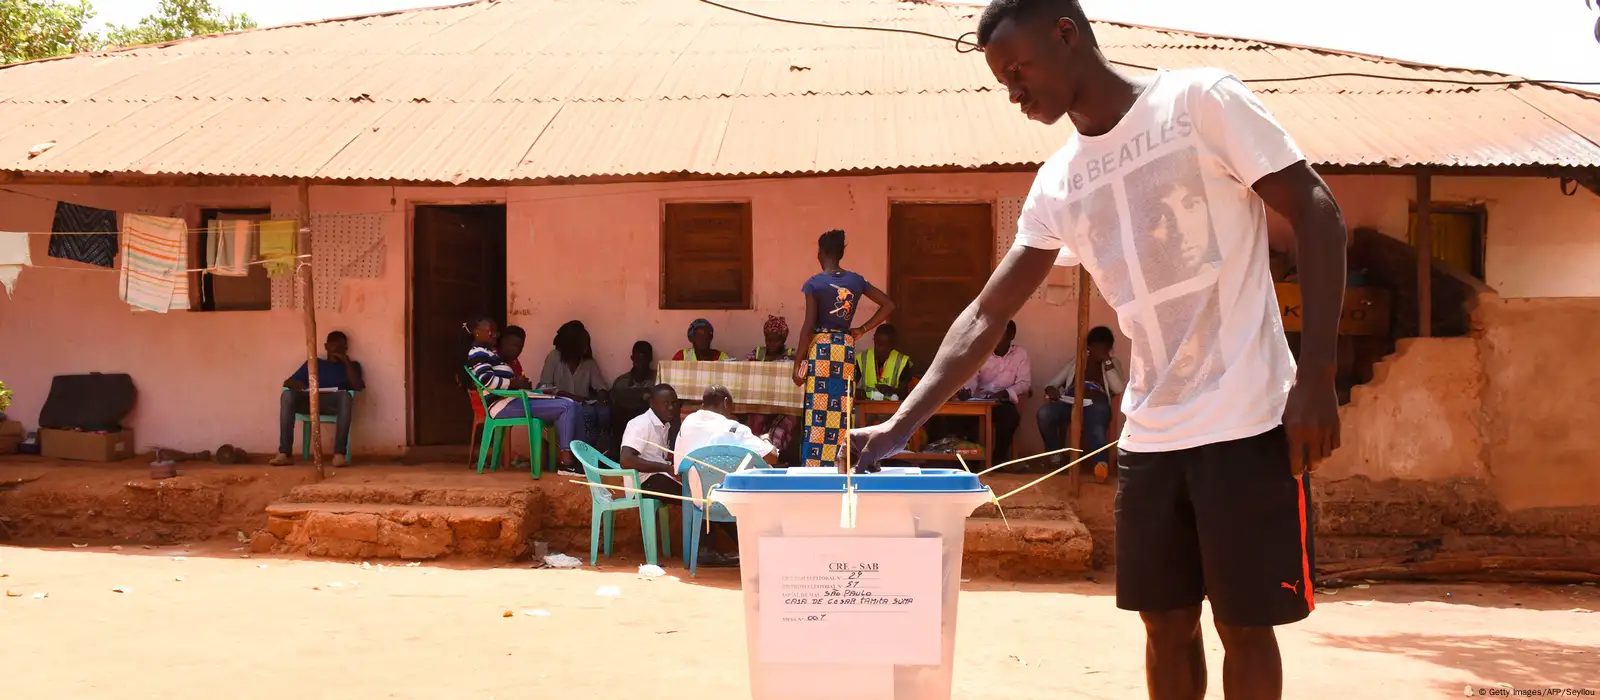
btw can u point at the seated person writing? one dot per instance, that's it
(700, 336)
(885, 373)
(777, 427)
(713, 424)
(338, 373)
(1007, 379)
(1103, 384)
(495, 374)
(570, 372)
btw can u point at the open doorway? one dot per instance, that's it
(459, 269)
(939, 259)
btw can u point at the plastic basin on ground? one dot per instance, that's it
(842, 613)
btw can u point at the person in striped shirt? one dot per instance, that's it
(494, 373)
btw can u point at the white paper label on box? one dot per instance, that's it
(851, 600)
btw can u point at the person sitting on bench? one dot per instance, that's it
(337, 376)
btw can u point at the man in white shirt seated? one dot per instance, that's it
(714, 424)
(644, 441)
(1103, 385)
(1006, 378)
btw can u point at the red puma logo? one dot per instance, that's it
(1295, 587)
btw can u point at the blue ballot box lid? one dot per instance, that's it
(825, 481)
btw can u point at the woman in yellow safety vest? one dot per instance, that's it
(888, 380)
(700, 336)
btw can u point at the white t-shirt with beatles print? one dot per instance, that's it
(1161, 211)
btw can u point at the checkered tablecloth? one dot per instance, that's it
(757, 387)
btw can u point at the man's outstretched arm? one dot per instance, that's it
(972, 337)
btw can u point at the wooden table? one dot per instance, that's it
(982, 410)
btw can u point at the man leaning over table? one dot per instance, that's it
(1006, 378)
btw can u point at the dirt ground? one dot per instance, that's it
(213, 624)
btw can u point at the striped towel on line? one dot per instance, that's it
(153, 263)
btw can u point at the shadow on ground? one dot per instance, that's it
(1493, 661)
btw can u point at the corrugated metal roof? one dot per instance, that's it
(533, 90)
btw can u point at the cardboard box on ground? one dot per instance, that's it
(11, 434)
(87, 447)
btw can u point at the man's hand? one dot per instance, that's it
(963, 395)
(873, 444)
(1311, 420)
(1052, 393)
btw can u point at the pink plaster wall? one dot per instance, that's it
(585, 252)
(1539, 243)
(1540, 388)
(204, 379)
(1420, 418)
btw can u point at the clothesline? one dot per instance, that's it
(95, 268)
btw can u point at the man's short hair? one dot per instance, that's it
(717, 394)
(1025, 11)
(659, 388)
(644, 346)
(337, 335)
(1102, 336)
(514, 331)
(887, 328)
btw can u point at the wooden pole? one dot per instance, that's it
(1082, 365)
(1424, 241)
(308, 307)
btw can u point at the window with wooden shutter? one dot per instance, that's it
(705, 255)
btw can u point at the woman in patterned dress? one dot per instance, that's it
(827, 365)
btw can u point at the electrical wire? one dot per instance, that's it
(963, 45)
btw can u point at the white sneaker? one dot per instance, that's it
(281, 460)
(340, 461)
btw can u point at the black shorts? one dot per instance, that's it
(1226, 521)
(661, 483)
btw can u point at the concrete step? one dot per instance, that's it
(386, 530)
(1026, 548)
(489, 495)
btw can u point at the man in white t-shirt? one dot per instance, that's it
(714, 424)
(644, 440)
(1160, 195)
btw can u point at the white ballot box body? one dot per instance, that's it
(851, 613)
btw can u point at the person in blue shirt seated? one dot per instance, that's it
(337, 376)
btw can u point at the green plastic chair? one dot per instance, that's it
(605, 503)
(494, 428)
(305, 428)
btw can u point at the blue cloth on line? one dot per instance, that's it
(99, 249)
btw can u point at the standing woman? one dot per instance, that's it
(826, 366)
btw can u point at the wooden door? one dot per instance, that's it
(940, 256)
(458, 262)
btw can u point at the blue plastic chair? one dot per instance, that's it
(604, 504)
(698, 481)
(305, 428)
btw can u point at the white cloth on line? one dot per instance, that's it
(14, 256)
(153, 257)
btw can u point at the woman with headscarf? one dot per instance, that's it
(494, 373)
(827, 365)
(700, 336)
(571, 372)
(777, 427)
